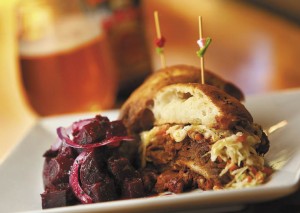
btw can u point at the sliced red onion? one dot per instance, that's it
(56, 146)
(111, 141)
(79, 124)
(76, 126)
(74, 179)
(62, 134)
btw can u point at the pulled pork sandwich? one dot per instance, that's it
(135, 113)
(199, 137)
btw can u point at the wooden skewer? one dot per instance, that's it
(201, 58)
(157, 26)
(158, 33)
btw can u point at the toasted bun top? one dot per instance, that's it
(195, 103)
(135, 113)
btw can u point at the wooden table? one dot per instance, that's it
(252, 47)
(257, 50)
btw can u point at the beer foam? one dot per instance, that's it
(67, 34)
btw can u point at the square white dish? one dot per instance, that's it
(21, 172)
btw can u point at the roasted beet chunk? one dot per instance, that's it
(90, 133)
(56, 179)
(98, 129)
(58, 198)
(54, 199)
(92, 171)
(68, 152)
(50, 153)
(133, 188)
(56, 171)
(103, 191)
(120, 168)
(103, 120)
(127, 178)
(94, 178)
(117, 128)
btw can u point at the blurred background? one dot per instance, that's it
(255, 45)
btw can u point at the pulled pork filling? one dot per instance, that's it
(194, 156)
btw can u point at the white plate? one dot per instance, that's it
(21, 173)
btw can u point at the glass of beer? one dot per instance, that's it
(65, 63)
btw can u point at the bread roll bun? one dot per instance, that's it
(195, 103)
(135, 111)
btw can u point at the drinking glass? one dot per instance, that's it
(65, 63)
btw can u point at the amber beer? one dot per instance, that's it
(71, 77)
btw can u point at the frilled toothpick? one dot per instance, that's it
(160, 41)
(203, 44)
